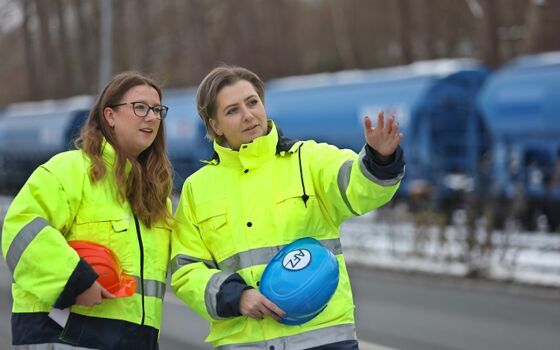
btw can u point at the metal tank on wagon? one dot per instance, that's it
(434, 102)
(32, 132)
(520, 104)
(185, 134)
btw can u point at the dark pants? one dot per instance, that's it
(343, 345)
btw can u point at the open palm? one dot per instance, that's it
(385, 136)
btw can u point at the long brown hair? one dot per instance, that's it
(215, 81)
(149, 183)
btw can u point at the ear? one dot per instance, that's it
(216, 127)
(109, 116)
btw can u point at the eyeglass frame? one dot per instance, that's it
(161, 115)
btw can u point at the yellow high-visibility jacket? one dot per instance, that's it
(60, 203)
(236, 212)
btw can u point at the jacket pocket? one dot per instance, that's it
(108, 227)
(295, 218)
(215, 229)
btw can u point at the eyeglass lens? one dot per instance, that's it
(141, 109)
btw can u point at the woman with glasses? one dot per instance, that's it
(112, 191)
(260, 192)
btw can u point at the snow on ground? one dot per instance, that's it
(508, 255)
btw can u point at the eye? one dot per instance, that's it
(253, 102)
(157, 109)
(231, 111)
(141, 107)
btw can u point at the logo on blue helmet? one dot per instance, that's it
(297, 259)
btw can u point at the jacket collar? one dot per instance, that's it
(109, 156)
(284, 144)
(256, 152)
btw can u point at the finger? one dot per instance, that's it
(394, 125)
(396, 140)
(271, 313)
(389, 124)
(380, 120)
(367, 123)
(105, 294)
(273, 309)
(257, 315)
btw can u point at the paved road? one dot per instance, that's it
(427, 313)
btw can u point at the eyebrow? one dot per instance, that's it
(146, 102)
(234, 104)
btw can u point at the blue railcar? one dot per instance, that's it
(499, 141)
(521, 108)
(433, 101)
(31, 133)
(185, 134)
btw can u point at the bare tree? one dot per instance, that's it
(490, 45)
(543, 23)
(403, 10)
(343, 41)
(58, 41)
(47, 63)
(429, 29)
(29, 52)
(85, 44)
(65, 64)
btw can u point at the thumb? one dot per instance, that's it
(106, 295)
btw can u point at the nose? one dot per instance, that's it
(246, 113)
(152, 116)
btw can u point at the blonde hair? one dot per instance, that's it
(215, 81)
(149, 183)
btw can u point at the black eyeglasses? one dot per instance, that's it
(142, 109)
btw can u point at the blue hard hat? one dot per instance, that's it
(300, 279)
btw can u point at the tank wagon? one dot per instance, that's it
(520, 104)
(185, 133)
(469, 133)
(433, 102)
(31, 133)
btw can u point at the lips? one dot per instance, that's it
(251, 128)
(147, 130)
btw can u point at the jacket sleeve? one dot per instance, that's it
(33, 243)
(348, 184)
(195, 277)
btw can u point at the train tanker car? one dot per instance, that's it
(32, 132)
(520, 104)
(433, 102)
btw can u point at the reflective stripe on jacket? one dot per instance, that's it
(236, 212)
(59, 203)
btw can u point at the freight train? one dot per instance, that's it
(471, 135)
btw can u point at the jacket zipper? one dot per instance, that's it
(304, 197)
(141, 266)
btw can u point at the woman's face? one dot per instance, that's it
(240, 115)
(134, 134)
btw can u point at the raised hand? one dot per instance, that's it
(385, 136)
(253, 304)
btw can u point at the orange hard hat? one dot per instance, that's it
(106, 265)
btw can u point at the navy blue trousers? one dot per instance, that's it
(343, 345)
